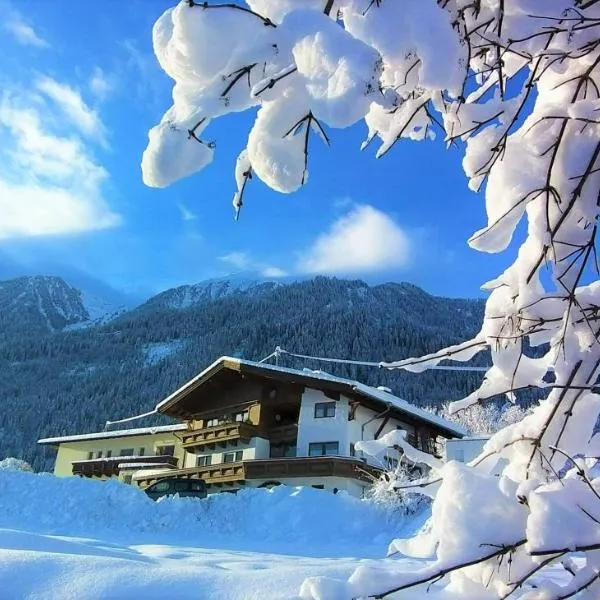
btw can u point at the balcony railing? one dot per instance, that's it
(236, 473)
(222, 434)
(223, 473)
(109, 466)
(316, 466)
(283, 433)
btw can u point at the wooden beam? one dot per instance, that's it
(380, 428)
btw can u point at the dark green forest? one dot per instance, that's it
(64, 381)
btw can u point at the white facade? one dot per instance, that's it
(340, 428)
(465, 449)
(313, 429)
(317, 435)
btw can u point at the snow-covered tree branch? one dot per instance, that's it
(515, 84)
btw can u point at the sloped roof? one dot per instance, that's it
(101, 435)
(314, 379)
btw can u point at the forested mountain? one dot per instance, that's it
(46, 304)
(186, 296)
(56, 382)
(38, 304)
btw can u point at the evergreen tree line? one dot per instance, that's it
(74, 381)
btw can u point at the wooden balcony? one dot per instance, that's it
(109, 466)
(283, 433)
(214, 475)
(236, 474)
(219, 435)
(315, 466)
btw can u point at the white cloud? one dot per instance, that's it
(72, 105)
(30, 209)
(21, 31)
(186, 213)
(144, 77)
(50, 181)
(238, 260)
(364, 240)
(101, 84)
(242, 261)
(274, 272)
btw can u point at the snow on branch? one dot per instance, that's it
(515, 85)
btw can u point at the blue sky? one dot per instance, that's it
(79, 89)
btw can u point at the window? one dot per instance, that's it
(212, 422)
(108, 453)
(126, 452)
(127, 478)
(283, 450)
(142, 452)
(352, 449)
(241, 417)
(204, 461)
(324, 409)
(165, 450)
(90, 455)
(319, 486)
(99, 454)
(324, 449)
(229, 457)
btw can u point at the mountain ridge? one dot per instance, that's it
(74, 379)
(49, 303)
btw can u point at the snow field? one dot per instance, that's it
(297, 517)
(76, 538)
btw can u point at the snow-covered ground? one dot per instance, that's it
(74, 538)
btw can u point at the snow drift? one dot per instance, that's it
(299, 518)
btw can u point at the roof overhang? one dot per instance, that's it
(115, 434)
(226, 370)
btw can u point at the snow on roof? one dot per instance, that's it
(406, 407)
(366, 390)
(101, 435)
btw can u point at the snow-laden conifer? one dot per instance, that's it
(515, 85)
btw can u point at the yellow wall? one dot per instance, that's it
(74, 451)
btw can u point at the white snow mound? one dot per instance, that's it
(276, 517)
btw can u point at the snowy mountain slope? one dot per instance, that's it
(43, 303)
(186, 296)
(74, 379)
